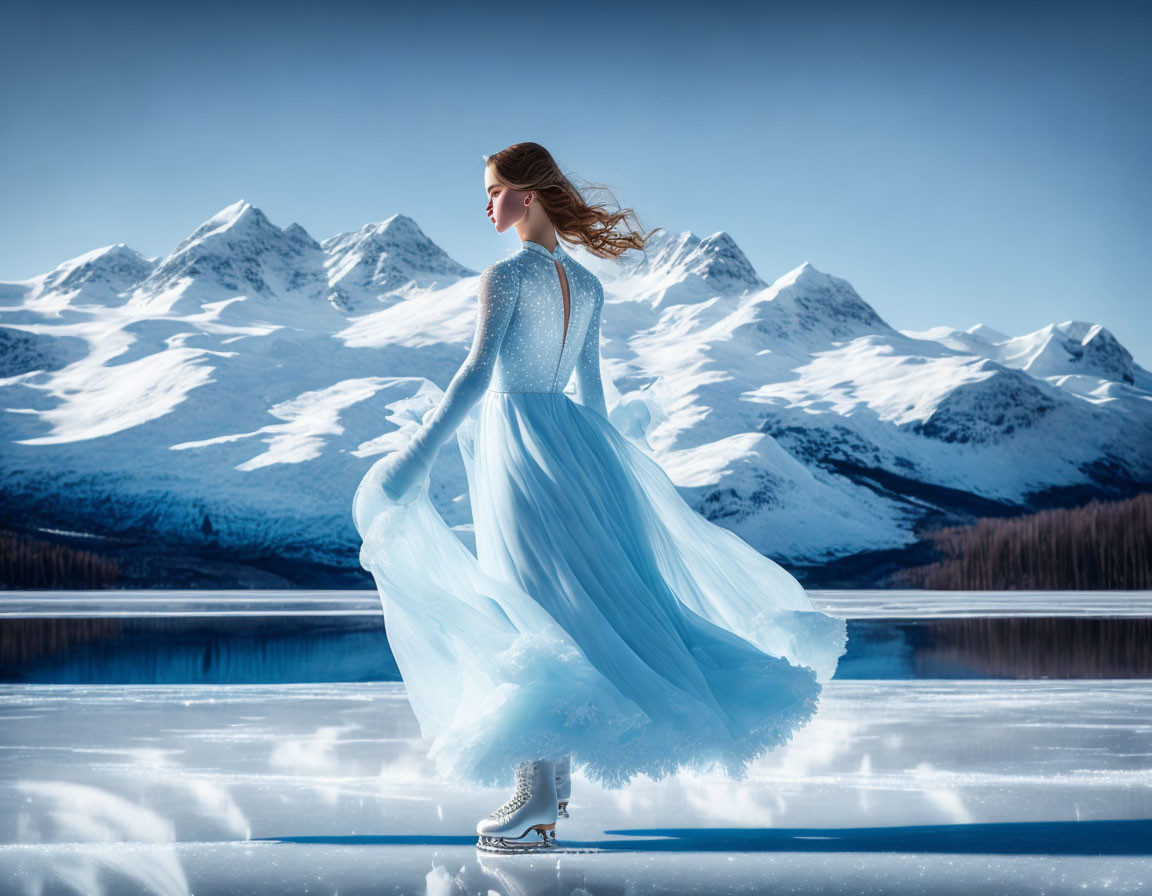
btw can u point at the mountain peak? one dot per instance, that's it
(717, 260)
(240, 212)
(102, 273)
(988, 334)
(397, 225)
(367, 266)
(824, 303)
(809, 272)
(1074, 347)
(808, 276)
(96, 256)
(234, 211)
(239, 217)
(298, 234)
(239, 250)
(1092, 349)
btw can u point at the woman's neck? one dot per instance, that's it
(546, 237)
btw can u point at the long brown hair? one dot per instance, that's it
(529, 166)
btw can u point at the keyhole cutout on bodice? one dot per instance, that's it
(567, 303)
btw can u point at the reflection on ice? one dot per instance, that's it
(68, 812)
(147, 637)
(310, 754)
(65, 812)
(948, 800)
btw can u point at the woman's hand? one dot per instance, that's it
(398, 485)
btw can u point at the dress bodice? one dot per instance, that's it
(520, 345)
(535, 355)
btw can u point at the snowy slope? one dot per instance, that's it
(234, 392)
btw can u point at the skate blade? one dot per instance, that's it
(554, 848)
(511, 848)
(511, 845)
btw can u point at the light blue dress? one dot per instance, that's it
(601, 615)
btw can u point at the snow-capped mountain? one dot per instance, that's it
(678, 269)
(233, 393)
(384, 263)
(96, 277)
(241, 256)
(1073, 348)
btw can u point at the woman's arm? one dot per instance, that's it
(499, 291)
(589, 386)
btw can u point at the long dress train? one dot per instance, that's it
(601, 615)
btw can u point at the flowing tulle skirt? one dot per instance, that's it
(601, 616)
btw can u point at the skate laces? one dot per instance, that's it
(520, 797)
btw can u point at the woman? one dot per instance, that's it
(604, 623)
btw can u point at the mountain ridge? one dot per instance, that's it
(254, 363)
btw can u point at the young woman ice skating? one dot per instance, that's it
(603, 624)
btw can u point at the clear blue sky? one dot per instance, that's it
(957, 162)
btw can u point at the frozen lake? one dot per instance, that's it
(846, 603)
(914, 786)
(941, 760)
(269, 637)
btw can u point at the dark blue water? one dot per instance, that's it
(283, 637)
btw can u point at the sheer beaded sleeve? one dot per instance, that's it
(499, 291)
(589, 386)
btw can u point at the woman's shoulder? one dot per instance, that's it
(503, 267)
(503, 275)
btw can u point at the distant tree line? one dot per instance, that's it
(27, 562)
(1099, 546)
(1103, 545)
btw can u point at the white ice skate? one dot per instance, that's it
(531, 808)
(563, 785)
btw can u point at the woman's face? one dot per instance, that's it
(505, 206)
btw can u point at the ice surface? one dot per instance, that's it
(188, 602)
(846, 603)
(895, 787)
(923, 604)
